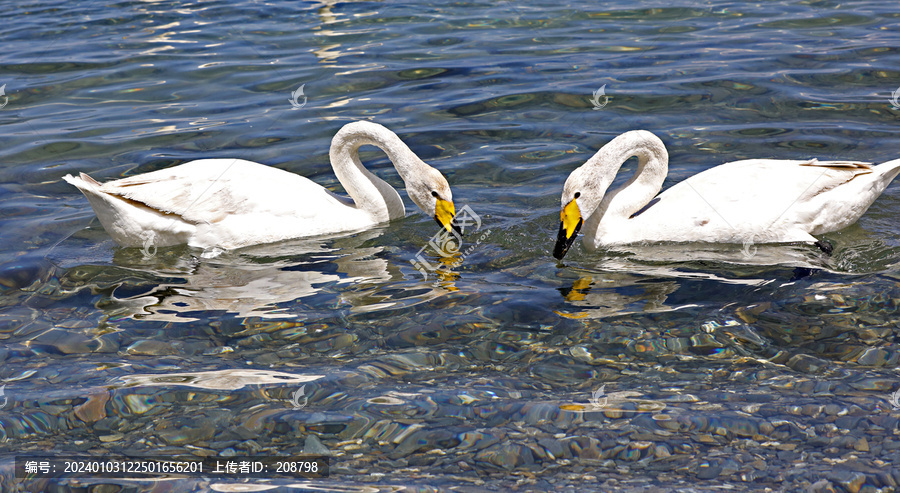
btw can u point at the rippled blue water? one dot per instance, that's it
(479, 375)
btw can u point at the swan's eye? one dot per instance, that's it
(434, 194)
(577, 194)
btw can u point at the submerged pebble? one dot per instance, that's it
(152, 348)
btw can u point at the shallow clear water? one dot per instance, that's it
(717, 368)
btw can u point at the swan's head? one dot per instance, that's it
(425, 185)
(581, 195)
(586, 187)
(431, 192)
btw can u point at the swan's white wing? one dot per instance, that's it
(758, 199)
(767, 183)
(210, 190)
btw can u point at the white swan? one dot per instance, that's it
(231, 203)
(751, 201)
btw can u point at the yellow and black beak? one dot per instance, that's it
(444, 211)
(569, 226)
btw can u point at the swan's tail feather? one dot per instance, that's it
(885, 173)
(86, 177)
(890, 168)
(82, 182)
(128, 222)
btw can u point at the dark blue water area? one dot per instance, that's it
(656, 367)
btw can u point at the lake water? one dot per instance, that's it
(671, 368)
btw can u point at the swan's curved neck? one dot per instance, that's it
(624, 202)
(370, 193)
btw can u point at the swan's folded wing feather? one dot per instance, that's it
(861, 167)
(833, 174)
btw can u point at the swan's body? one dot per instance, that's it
(231, 203)
(755, 200)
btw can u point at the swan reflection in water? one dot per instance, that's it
(640, 278)
(257, 281)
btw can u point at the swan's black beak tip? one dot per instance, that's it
(452, 225)
(564, 241)
(455, 226)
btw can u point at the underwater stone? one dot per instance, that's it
(148, 347)
(94, 409)
(187, 431)
(848, 480)
(708, 471)
(313, 446)
(63, 341)
(554, 447)
(806, 363)
(822, 486)
(506, 456)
